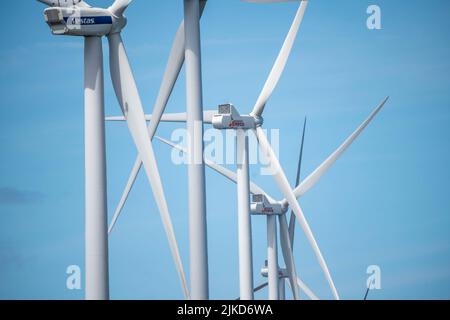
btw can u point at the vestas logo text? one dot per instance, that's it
(82, 21)
(88, 20)
(236, 123)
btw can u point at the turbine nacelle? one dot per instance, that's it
(229, 118)
(282, 273)
(78, 19)
(262, 206)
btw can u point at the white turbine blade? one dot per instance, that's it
(260, 287)
(285, 188)
(314, 177)
(306, 290)
(287, 255)
(168, 117)
(254, 188)
(123, 198)
(120, 118)
(230, 175)
(57, 3)
(297, 182)
(208, 115)
(119, 7)
(175, 62)
(173, 68)
(128, 96)
(50, 3)
(280, 63)
(303, 287)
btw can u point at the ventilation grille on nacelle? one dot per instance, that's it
(258, 198)
(53, 16)
(224, 109)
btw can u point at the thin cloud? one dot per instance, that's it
(59, 45)
(13, 196)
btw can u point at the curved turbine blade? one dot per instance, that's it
(303, 287)
(166, 117)
(283, 184)
(176, 60)
(128, 96)
(306, 290)
(119, 7)
(297, 182)
(314, 177)
(258, 288)
(287, 255)
(169, 117)
(230, 175)
(280, 63)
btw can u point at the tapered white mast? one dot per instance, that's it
(198, 260)
(96, 242)
(282, 288)
(61, 17)
(244, 218)
(272, 257)
(228, 118)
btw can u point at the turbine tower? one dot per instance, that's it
(198, 256)
(229, 119)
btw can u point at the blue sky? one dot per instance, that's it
(385, 202)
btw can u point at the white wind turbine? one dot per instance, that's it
(229, 118)
(77, 18)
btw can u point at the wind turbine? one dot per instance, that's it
(229, 118)
(283, 273)
(77, 18)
